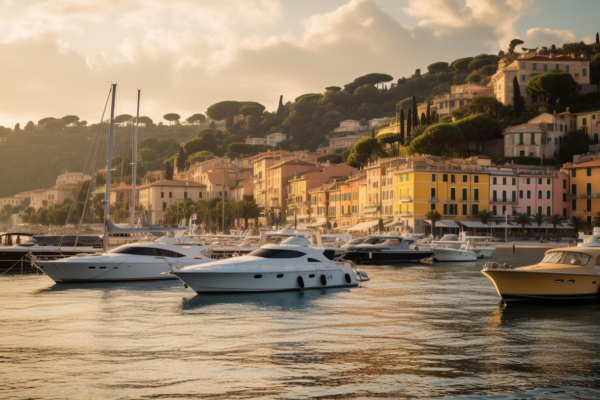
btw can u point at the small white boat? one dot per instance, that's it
(451, 251)
(592, 240)
(291, 265)
(131, 262)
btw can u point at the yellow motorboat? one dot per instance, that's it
(570, 273)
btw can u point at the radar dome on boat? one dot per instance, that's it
(296, 241)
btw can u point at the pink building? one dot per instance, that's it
(514, 190)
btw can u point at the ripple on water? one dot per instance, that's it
(412, 332)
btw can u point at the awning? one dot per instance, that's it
(363, 226)
(316, 224)
(369, 210)
(393, 223)
(444, 223)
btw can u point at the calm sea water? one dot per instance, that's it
(412, 332)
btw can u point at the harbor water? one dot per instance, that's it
(425, 331)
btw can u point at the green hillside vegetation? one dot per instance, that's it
(34, 155)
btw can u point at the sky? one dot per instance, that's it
(60, 56)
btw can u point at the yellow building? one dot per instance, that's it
(458, 189)
(584, 194)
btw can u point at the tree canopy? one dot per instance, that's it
(438, 140)
(576, 142)
(478, 128)
(438, 67)
(69, 119)
(172, 117)
(196, 119)
(553, 86)
(369, 79)
(123, 118)
(363, 150)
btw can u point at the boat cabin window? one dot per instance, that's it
(273, 253)
(566, 257)
(314, 260)
(390, 242)
(371, 241)
(147, 251)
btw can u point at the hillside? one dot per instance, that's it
(33, 157)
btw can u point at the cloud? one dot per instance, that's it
(538, 37)
(445, 15)
(186, 55)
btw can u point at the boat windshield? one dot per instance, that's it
(249, 243)
(147, 251)
(390, 242)
(371, 241)
(566, 257)
(274, 253)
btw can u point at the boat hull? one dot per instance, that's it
(207, 281)
(516, 285)
(450, 255)
(103, 271)
(483, 252)
(19, 258)
(385, 258)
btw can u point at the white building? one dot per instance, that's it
(72, 178)
(156, 197)
(272, 139)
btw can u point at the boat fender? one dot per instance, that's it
(348, 279)
(323, 280)
(301, 282)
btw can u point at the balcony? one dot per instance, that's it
(403, 213)
(433, 198)
(406, 198)
(573, 196)
(503, 201)
(586, 195)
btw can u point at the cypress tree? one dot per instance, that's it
(402, 126)
(280, 108)
(428, 112)
(168, 171)
(415, 117)
(181, 158)
(597, 38)
(408, 122)
(517, 97)
(423, 119)
(373, 133)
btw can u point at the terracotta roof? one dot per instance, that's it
(556, 58)
(584, 164)
(172, 184)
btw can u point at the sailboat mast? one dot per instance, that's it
(134, 171)
(109, 166)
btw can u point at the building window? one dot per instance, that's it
(452, 193)
(534, 66)
(494, 196)
(532, 138)
(432, 194)
(539, 194)
(584, 72)
(476, 179)
(494, 181)
(523, 65)
(528, 210)
(573, 205)
(548, 181)
(464, 209)
(170, 195)
(573, 173)
(432, 177)
(539, 181)
(465, 179)
(573, 188)
(453, 178)
(476, 194)
(514, 196)
(589, 171)
(548, 197)
(567, 68)
(464, 194)
(445, 178)
(545, 67)
(564, 212)
(564, 183)
(523, 78)
(564, 197)
(528, 181)
(199, 195)
(475, 208)
(445, 209)
(514, 181)
(589, 189)
(185, 195)
(504, 181)
(521, 138)
(548, 210)
(162, 195)
(557, 67)
(520, 194)
(164, 206)
(529, 194)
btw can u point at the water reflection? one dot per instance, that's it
(282, 301)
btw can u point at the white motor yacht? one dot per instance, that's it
(451, 251)
(384, 250)
(480, 245)
(131, 262)
(291, 265)
(592, 240)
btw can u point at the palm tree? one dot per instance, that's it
(170, 216)
(523, 219)
(208, 211)
(579, 223)
(539, 218)
(596, 220)
(484, 216)
(247, 209)
(434, 216)
(555, 220)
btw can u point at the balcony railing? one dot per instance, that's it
(587, 195)
(573, 196)
(433, 198)
(503, 201)
(406, 198)
(403, 213)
